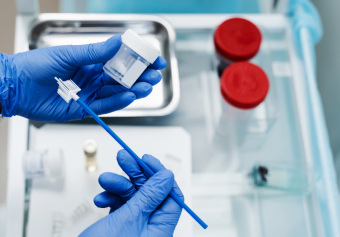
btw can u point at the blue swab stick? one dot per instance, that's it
(68, 90)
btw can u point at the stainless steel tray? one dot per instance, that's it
(63, 29)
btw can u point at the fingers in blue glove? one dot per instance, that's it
(159, 64)
(156, 166)
(135, 172)
(131, 168)
(108, 199)
(112, 103)
(140, 89)
(169, 205)
(119, 190)
(81, 55)
(150, 75)
(132, 219)
(117, 184)
(138, 178)
(107, 91)
(152, 193)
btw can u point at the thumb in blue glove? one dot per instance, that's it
(28, 88)
(139, 207)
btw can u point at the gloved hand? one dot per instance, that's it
(28, 87)
(139, 207)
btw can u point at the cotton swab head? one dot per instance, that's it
(67, 89)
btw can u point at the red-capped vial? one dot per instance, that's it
(239, 114)
(236, 40)
(243, 86)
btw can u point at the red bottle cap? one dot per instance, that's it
(237, 39)
(244, 85)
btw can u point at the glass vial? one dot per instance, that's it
(134, 56)
(90, 150)
(236, 40)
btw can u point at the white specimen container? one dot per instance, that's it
(44, 164)
(133, 57)
(243, 88)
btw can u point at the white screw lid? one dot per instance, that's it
(90, 148)
(140, 45)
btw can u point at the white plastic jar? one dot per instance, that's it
(134, 56)
(235, 100)
(44, 164)
(243, 87)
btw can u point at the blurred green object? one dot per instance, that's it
(162, 6)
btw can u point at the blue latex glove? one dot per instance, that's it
(28, 87)
(139, 207)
